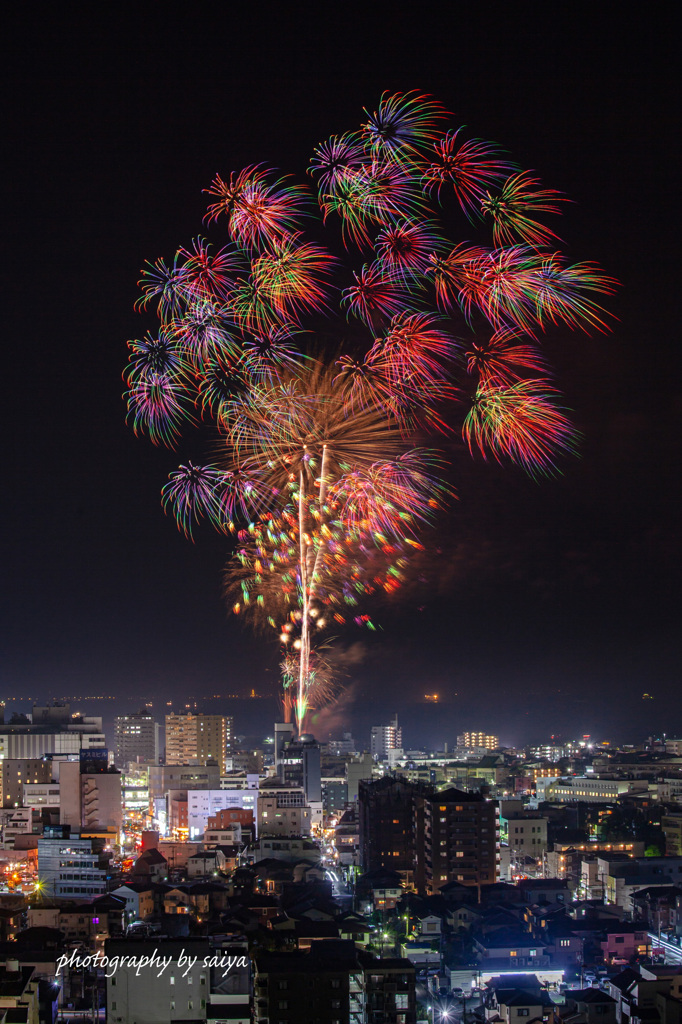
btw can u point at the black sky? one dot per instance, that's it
(545, 607)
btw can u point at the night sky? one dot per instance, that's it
(541, 608)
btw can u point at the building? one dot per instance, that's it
(70, 866)
(342, 747)
(183, 776)
(384, 738)
(458, 841)
(587, 790)
(526, 837)
(90, 796)
(386, 816)
(358, 770)
(623, 878)
(198, 738)
(54, 730)
(15, 772)
(200, 981)
(547, 752)
(282, 810)
(565, 859)
(180, 992)
(19, 992)
(284, 733)
(203, 804)
(510, 996)
(334, 796)
(389, 990)
(474, 740)
(624, 941)
(139, 900)
(14, 821)
(299, 763)
(333, 982)
(39, 795)
(136, 738)
(672, 827)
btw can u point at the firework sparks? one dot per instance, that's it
(322, 479)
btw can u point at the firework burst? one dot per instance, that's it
(323, 478)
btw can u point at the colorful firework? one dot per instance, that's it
(519, 421)
(472, 169)
(322, 479)
(511, 208)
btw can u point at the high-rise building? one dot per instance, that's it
(482, 740)
(284, 733)
(198, 738)
(386, 737)
(136, 738)
(457, 835)
(299, 764)
(386, 814)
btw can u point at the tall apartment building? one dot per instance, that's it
(386, 816)
(136, 738)
(483, 740)
(299, 764)
(457, 836)
(198, 738)
(385, 737)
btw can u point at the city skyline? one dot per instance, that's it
(531, 594)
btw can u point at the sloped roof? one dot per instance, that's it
(592, 995)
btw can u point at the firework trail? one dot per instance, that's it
(320, 480)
